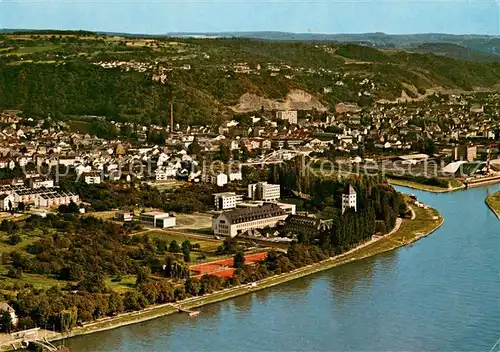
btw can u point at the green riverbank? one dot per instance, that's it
(425, 222)
(493, 202)
(423, 187)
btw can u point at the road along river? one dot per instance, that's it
(441, 293)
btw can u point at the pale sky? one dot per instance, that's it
(322, 16)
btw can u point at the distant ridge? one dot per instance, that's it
(470, 43)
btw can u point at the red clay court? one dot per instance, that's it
(224, 268)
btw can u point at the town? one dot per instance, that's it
(104, 215)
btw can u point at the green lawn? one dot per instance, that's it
(426, 220)
(208, 245)
(416, 185)
(38, 281)
(126, 284)
(33, 49)
(493, 200)
(455, 183)
(27, 238)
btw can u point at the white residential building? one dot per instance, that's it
(220, 179)
(264, 191)
(6, 202)
(4, 307)
(92, 178)
(41, 182)
(235, 176)
(47, 200)
(289, 115)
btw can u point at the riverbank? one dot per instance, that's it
(407, 231)
(422, 187)
(493, 202)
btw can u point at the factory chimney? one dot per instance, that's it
(171, 117)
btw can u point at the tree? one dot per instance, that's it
(194, 147)
(115, 304)
(429, 146)
(134, 300)
(14, 239)
(239, 260)
(175, 269)
(174, 247)
(6, 324)
(143, 276)
(63, 209)
(15, 273)
(186, 249)
(93, 283)
(224, 153)
(68, 319)
(192, 286)
(73, 207)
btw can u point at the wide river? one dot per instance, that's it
(440, 294)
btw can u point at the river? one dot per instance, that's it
(442, 293)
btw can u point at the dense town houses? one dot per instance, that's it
(452, 128)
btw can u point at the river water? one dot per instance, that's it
(442, 293)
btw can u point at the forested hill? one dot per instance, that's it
(137, 78)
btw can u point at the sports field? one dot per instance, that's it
(224, 267)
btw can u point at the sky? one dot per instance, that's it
(319, 16)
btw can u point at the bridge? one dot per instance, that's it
(275, 157)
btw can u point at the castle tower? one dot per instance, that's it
(349, 198)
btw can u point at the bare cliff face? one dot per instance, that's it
(296, 99)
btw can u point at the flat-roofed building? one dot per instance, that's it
(288, 208)
(124, 216)
(264, 191)
(92, 178)
(288, 115)
(241, 220)
(465, 152)
(226, 200)
(158, 219)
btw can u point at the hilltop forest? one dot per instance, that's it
(136, 79)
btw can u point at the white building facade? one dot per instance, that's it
(226, 200)
(241, 220)
(158, 219)
(264, 191)
(289, 115)
(349, 199)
